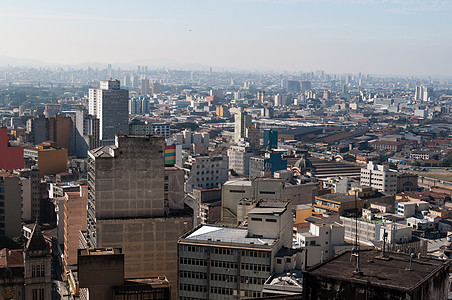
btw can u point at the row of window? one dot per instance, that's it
(221, 290)
(266, 220)
(191, 274)
(223, 264)
(252, 280)
(193, 288)
(223, 277)
(255, 267)
(193, 261)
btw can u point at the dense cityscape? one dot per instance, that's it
(159, 183)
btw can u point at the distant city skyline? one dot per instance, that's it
(406, 37)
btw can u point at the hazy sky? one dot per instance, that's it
(370, 36)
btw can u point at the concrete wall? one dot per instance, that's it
(149, 245)
(131, 184)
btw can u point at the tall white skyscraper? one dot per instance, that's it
(110, 105)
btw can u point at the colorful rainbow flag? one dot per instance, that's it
(170, 155)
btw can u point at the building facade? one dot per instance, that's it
(380, 178)
(109, 104)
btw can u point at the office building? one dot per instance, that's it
(219, 262)
(11, 203)
(242, 122)
(86, 132)
(109, 104)
(380, 178)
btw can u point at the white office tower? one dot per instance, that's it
(242, 122)
(380, 178)
(280, 100)
(110, 105)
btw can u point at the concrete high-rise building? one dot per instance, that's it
(155, 87)
(38, 129)
(144, 86)
(86, 132)
(11, 203)
(380, 178)
(127, 209)
(242, 121)
(109, 104)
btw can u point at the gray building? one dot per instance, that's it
(219, 262)
(239, 159)
(11, 203)
(86, 133)
(128, 206)
(205, 172)
(38, 129)
(110, 105)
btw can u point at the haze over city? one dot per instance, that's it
(339, 36)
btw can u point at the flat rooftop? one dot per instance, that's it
(227, 235)
(391, 271)
(100, 251)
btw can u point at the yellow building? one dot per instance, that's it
(51, 161)
(302, 212)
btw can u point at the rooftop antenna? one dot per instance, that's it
(355, 250)
(385, 236)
